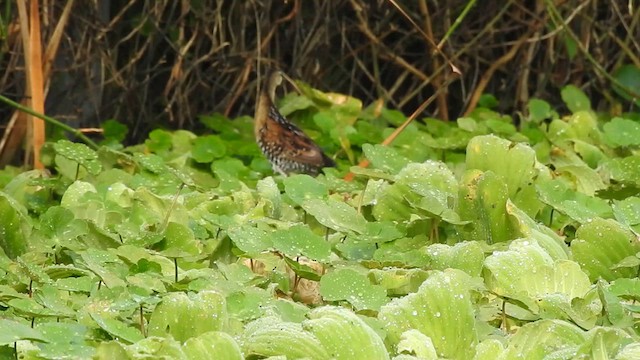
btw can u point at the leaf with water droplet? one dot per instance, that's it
(384, 158)
(302, 270)
(214, 342)
(65, 340)
(12, 331)
(15, 227)
(184, 316)
(527, 227)
(336, 215)
(432, 187)
(601, 244)
(416, 343)
(151, 162)
(482, 202)
(513, 163)
(207, 148)
(299, 240)
(270, 336)
(250, 240)
(529, 275)
(576, 205)
(542, 339)
(398, 282)
(467, 256)
(441, 309)
(344, 334)
(179, 241)
(301, 187)
(626, 169)
(80, 153)
(354, 287)
(117, 328)
(575, 98)
(621, 132)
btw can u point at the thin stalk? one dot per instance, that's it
(50, 120)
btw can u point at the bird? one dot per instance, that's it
(286, 146)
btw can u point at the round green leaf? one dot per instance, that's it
(622, 132)
(80, 153)
(299, 240)
(575, 99)
(301, 187)
(207, 148)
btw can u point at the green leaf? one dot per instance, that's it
(302, 270)
(616, 314)
(80, 153)
(345, 335)
(601, 244)
(528, 228)
(430, 186)
(629, 352)
(186, 316)
(350, 285)
(575, 99)
(488, 101)
(627, 212)
(604, 343)
(587, 180)
(65, 340)
(336, 215)
(576, 205)
(159, 141)
(384, 158)
(114, 131)
(179, 241)
(299, 240)
(538, 110)
(301, 187)
(151, 162)
(622, 132)
(117, 328)
(214, 342)
(12, 331)
(513, 163)
(270, 336)
(416, 343)
(398, 281)
(544, 339)
(528, 274)
(98, 262)
(626, 169)
(15, 227)
(441, 309)
(467, 256)
(250, 240)
(483, 199)
(629, 76)
(75, 193)
(207, 148)
(154, 347)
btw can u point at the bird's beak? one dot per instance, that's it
(293, 83)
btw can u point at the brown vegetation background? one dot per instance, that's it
(160, 63)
